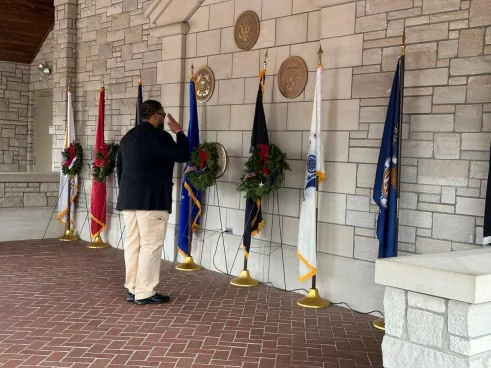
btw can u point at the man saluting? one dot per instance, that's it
(145, 166)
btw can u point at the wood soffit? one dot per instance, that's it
(24, 25)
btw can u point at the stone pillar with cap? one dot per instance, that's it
(169, 24)
(437, 310)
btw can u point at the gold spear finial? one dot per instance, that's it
(102, 83)
(69, 84)
(140, 77)
(265, 64)
(320, 55)
(403, 47)
(192, 70)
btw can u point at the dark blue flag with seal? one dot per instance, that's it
(386, 186)
(190, 210)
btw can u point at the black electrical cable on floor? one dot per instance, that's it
(269, 283)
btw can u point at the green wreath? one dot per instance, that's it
(105, 162)
(265, 172)
(72, 159)
(204, 167)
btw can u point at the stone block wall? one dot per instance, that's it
(38, 82)
(113, 45)
(14, 99)
(18, 85)
(429, 332)
(28, 194)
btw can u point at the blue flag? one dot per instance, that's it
(190, 210)
(385, 188)
(139, 103)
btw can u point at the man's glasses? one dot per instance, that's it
(163, 115)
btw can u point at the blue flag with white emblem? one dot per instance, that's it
(385, 188)
(190, 210)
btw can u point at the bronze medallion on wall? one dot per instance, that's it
(247, 30)
(292, 77)
(222, 159)
(205, 84)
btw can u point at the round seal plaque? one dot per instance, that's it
(205, 84)
(246, 30)
(292, 77)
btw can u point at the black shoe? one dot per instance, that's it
(130, 298)
(156, 299)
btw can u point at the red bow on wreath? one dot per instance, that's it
(71, 155)
(101, 159)
(203, 156)
(264, 154)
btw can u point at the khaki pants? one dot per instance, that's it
(145, 234)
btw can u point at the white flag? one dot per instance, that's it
(307, 234)
(64, 186)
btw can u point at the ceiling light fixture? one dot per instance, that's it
(44, 69)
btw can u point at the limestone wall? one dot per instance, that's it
(446, 135)
(14, 98)
(18, 85)
(28, 194)
(428, 332)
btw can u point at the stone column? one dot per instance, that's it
(64, 69)
(437, 310)
(170, 18)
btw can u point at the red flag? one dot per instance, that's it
(98, 202)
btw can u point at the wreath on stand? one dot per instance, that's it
(265, 172)
(203, 168)
(105, 162)
(72, 159)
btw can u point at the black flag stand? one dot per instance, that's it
(380, 323)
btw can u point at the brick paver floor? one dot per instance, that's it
(65, 307)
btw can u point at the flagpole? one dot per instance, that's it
(69, 235)
(380, 323)
(188, 264)
(245, 279)
(313, 299)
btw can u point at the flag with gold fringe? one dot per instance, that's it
(68, 186)
(385, 187)
(98, 199)
(190, 207)
(315, 174)
(253, 214)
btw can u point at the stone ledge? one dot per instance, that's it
(29, 177)
(463, 275)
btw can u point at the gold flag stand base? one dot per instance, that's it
(188, 265)
(313, 300)
(98, 244)
(379, 324)
(244, 280)
(69, 236)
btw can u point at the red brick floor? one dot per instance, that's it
(65, 307)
